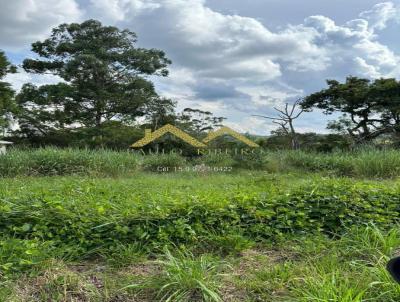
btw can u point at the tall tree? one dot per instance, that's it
(370, 108)
(6, 93)
(160, 113)
(104, 77)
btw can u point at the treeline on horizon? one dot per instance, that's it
(106, 89)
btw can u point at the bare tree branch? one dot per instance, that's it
(285, 120)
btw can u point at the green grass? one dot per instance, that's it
(333, 270)
(363, 163)
(244, 236)
(186, 278)
(311, 268)
(52, 161)
(81, 217)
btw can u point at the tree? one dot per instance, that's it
(285, 120)
(370, 108)
(105, 77)
(42, 109)
(160, 113)
(199, 121)
(7, 104)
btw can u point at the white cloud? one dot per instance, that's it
(22, 77)
(118, 10)
(25, 21)
(380, 14)
(252, 125)
(215, 52)
(367, 69)
(242, 53)
(354, 46)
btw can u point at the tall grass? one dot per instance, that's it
(54, 161)
(185, 278)
(364, 163)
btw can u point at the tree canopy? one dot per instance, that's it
(6, 92)
(370, 108)
(103, 76)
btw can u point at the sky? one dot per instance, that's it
(234, 58)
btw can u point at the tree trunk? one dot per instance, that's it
(98, 118)
(293, 135)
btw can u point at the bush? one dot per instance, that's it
(377, 163)
(337, 163)
(21, 254)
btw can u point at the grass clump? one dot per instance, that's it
(185, 278)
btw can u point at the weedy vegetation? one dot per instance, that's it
(82, 225)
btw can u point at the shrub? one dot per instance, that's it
(338, 163)
(363, 162)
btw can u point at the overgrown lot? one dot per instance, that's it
(248, 236)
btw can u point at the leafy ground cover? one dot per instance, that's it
(251, 236)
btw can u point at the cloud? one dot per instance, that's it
(25, 21)
(111, 11)
(240, 64)
(252, 124)
(233, 64)
(22, 77)
(351, 47)
(381, 14)
(366, 69)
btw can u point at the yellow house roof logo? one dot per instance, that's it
(225, 130)
(150, 136)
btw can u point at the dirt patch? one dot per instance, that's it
(255, 259)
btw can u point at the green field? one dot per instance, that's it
(242, 236)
